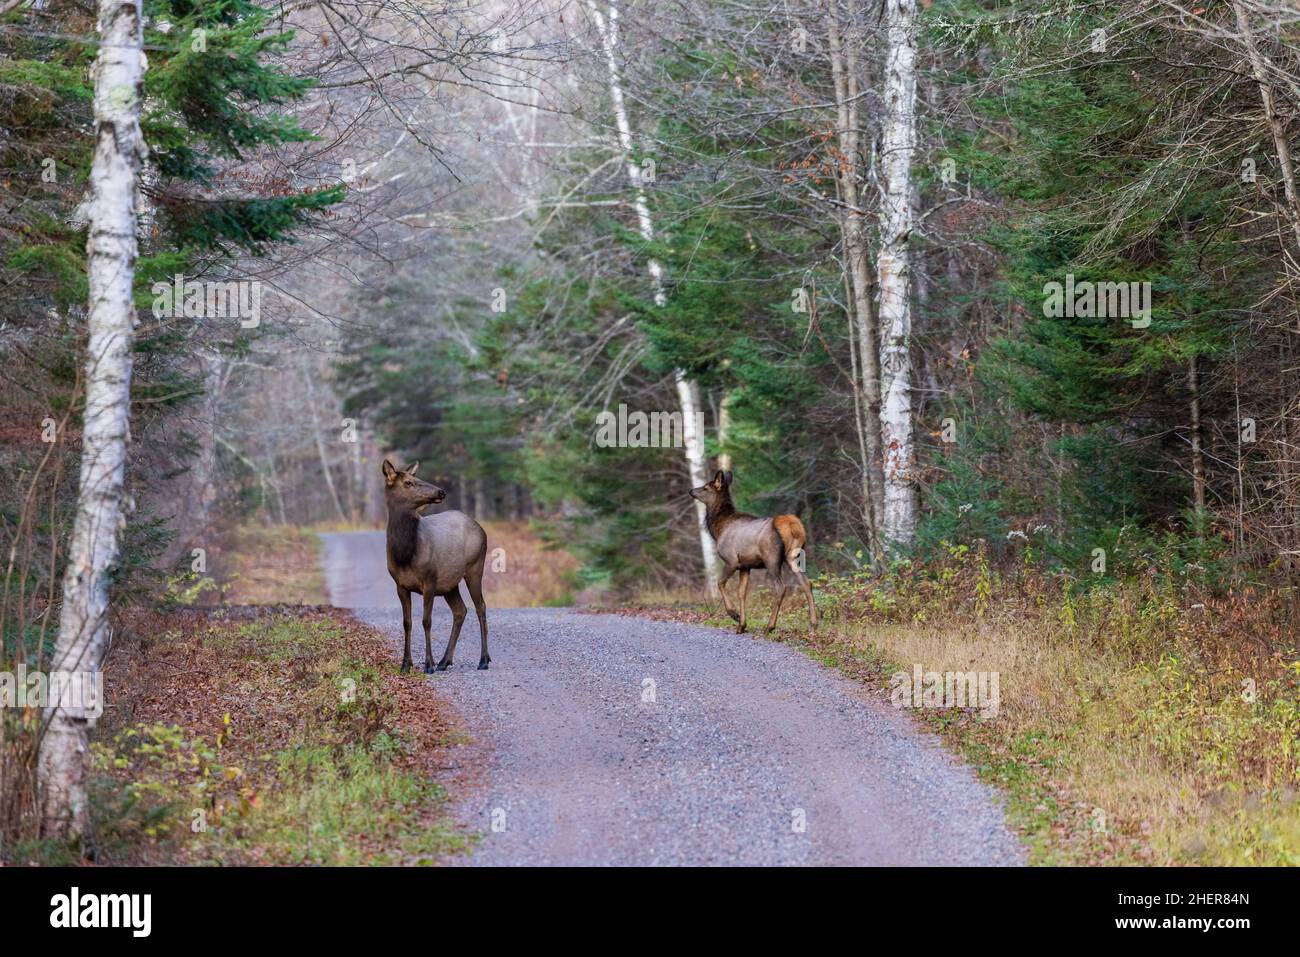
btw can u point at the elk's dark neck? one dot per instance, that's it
(403, 528)
(718, 515)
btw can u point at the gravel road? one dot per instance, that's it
(612, 740)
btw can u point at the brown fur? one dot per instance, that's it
(746, 542)
(792, 535)
(431, 555)
(403, 527)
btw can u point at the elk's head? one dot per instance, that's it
(714, 493)
(403, 490)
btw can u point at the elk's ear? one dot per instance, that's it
(726, 477)
(718, 480)
(390, 473)
(411, 470)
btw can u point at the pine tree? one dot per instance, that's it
(207, 99)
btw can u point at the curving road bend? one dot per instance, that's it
(607, 740)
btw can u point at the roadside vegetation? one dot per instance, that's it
(240, 729)
(271, 564)
(1140, 722)
(530, 570)
(268, 736)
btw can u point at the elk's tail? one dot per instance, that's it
(794, 537)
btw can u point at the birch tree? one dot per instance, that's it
(842, 52)
(111, 252)
(688, 391)
(1276, 125)
(898, 144)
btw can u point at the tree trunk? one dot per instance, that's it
(326, 474)
(357, 485)
(898, 143)
(853, 231)
(1291, 211)
(204, 470)
(279, 491)
(688, 391)
(864, 424)
(724, 429)
(1276, 129)
(1198, 458)
(111, 252)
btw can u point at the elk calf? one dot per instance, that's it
(430, 555)
(746, 542)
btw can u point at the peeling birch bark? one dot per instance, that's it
(688, 391)
(111, 253)
(898, 145)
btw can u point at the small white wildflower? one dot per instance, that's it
(1017, 534)
(962, 510)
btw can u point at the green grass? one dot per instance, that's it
(320, 768)
(329, 799)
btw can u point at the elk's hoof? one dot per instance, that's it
(444, 665)
(483, 664)
(428, 667)
(406, 666)
(740, 629)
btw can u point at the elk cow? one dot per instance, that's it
(746, 542)
(430, 554)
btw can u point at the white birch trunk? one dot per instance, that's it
(111, 252)
(724, 432)
(688, 391)
(898, 144)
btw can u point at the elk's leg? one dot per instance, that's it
(428, 632)
(744, 593)
(779, 588)
(726, 600)
(457, 606)
(474, 582)
(807, 591)
(404, 596)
